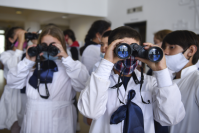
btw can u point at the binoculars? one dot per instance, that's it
(35, 51)
(124, 51)
(31, 36)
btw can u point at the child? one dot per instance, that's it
(91, 50)
(55, 113)
(10, 103)
(108, 103)
(104, 46)
(72, 44)
(182, 53)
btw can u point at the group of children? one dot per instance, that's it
(115, 96)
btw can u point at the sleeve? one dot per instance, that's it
(10, 60)
(168, 108)
(17, 76)
(197, 92)
(77, 73)
(93, 99)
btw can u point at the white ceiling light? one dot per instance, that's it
(64, 17)
(18, 12)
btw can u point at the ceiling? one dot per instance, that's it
(8, 17)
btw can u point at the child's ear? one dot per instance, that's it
(192, 50)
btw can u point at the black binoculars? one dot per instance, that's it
(124, 51)
(35, 51)
(31, 36)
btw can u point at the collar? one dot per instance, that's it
(188, 70)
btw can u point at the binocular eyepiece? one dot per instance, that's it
(31, 36)
(124, 51)
(35, 51)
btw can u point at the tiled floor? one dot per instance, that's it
(83, 127)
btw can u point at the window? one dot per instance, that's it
(2, 41)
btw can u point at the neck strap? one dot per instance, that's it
(140, 82)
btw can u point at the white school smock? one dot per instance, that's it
(90, 56)
(56, 114)
(10, 102)
(98, 102)
(189, 88)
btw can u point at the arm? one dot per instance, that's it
(168, 108)
(93, 99)
(77, 73)
(10, 60)
(17, 76)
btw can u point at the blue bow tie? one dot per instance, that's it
(132, 115)
(47, 69)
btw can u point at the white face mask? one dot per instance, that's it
(176, 62)
(102, 55)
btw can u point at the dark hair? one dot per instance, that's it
(160, 35)
(107, 33)
(185, 39)
(54, 32)
(70, 33)
(10, 34)
(122, 32)
(99, 26)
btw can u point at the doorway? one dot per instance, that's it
(139, 27)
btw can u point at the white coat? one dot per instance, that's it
(189, 88)
(98, 102)
(56, 114)
(90, 56)
(10, 102)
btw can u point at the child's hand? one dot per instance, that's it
(109, 55)
(155, 66)
(27, 56)
(62, 51)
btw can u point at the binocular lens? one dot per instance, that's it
(123, 51)
(155, 54)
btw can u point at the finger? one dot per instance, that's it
(114, 43)
(41, 54)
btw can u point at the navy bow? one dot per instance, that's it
(48, 67)
(132, 115)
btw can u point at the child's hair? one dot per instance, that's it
(70, 33)
(54, 32)
(185, 39)
(107, 33)
(10, 34)
(99, 26)
(160, 35)
(123, 32)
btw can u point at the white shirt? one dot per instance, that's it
(56, 114)
(98, 102)
(10, 103)
(189, 88)
(10, 59)
(90, 56)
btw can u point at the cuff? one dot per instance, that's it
(163, 78)
(28, 63)
(18, 52)
(104, 69)
(68, 62)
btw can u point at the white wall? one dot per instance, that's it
(159, 14)
(82, 7)
(81, 25)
